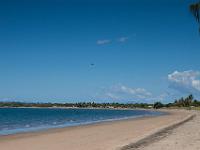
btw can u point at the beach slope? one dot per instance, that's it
(102, 136)
(184, 137)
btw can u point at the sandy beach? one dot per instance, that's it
(101, 136)
(184, 137)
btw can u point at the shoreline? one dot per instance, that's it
(48, 128)
(86, 124)
(104, 135)
(61, 129)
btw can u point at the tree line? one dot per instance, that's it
(188, 101)
(76, 105)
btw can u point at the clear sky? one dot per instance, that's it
(98, 50)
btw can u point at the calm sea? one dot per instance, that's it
(17, 120)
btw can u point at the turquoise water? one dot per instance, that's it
(17, 120)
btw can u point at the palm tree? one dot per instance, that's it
(195, 10)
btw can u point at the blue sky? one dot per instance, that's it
(142, 50)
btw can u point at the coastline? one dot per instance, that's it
(103, 135)
(99, 122)
(151, 113)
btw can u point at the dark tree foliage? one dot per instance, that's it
(185, 102)
(182, 102)
(79, 105)
(195, 10)
(158, 105)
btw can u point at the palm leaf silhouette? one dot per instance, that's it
(195, 10)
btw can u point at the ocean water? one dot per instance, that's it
(17, 120)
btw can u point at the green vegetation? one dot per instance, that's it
(78, 105)
(187, 102)
(158, 105)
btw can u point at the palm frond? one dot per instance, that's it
(195, 10)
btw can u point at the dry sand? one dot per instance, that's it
(184, 137)
(101, 136)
